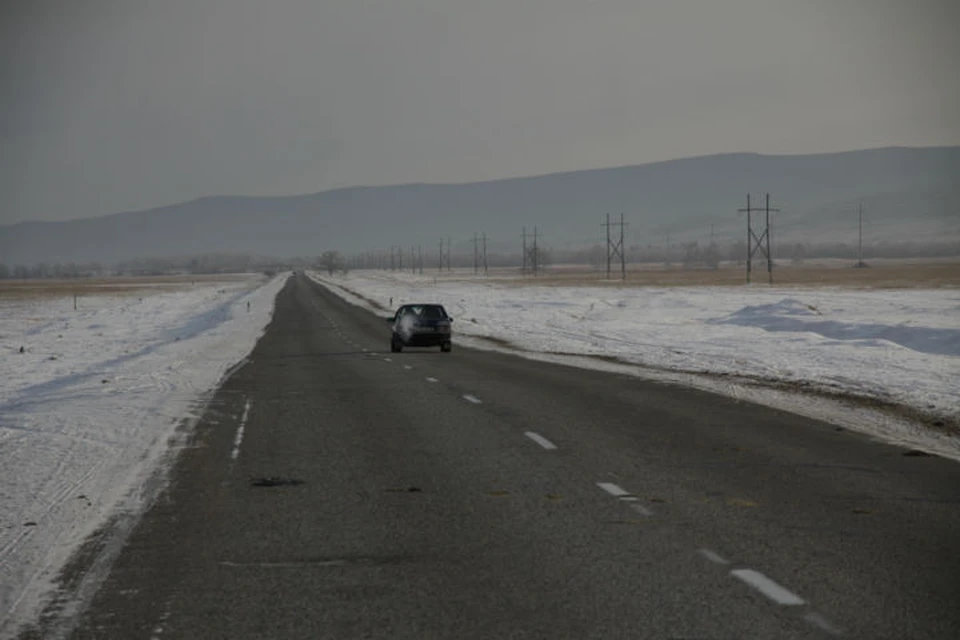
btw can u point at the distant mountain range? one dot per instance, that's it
(907, 194)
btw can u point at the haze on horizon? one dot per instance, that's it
(119, 106)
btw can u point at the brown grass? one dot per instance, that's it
(115, 286)
(879, 275)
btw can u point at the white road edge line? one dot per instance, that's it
(768, 587)
(819, 621)
(713, 556)
(431, 379)
(472, 399)
(239, 437)
(540, 440)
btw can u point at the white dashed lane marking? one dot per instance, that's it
(431, 379)
(625, 496)
(540, 440)
(819, 621)
(713, 556)
(239, 437)
(768, 587)
(472, 399)
(617, 491)
(407, 367)
(388, 360)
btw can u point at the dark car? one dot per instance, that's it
(421, 325)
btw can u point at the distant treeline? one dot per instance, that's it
(189, 265)
(710, 255)
(690, 255)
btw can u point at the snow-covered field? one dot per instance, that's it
(807, 350)
(87, 409)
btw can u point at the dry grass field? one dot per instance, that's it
(892, 274)
(114, 286)
(889, 274)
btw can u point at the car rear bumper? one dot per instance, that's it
(424, 339)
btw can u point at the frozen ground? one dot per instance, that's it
(87, 409)
(845, 356)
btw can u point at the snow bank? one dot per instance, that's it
(87, 409)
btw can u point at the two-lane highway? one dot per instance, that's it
(336, 490)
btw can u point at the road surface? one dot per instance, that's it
(480, 495)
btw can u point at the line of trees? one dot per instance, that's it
(46, 270)
(691, 255)
(187, 265)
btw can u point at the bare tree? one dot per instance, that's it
(332, 261)
(711, 256)
(691, 255)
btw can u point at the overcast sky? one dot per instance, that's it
(112, 106)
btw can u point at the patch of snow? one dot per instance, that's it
(89, 405)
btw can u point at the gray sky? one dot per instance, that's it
(112, 106)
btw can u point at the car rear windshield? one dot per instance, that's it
(433, 313)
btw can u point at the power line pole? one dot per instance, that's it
(449, 247)
(485, 271)
(623, 253)
(615, 247)
(523, 269)
(860, 263)
(535, 254)
(440, 263)
(476, 253)
(755, 243)
(420, 256)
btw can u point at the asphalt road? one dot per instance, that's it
(479, 495)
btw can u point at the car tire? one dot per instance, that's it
(395, 346)
(446, 347)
